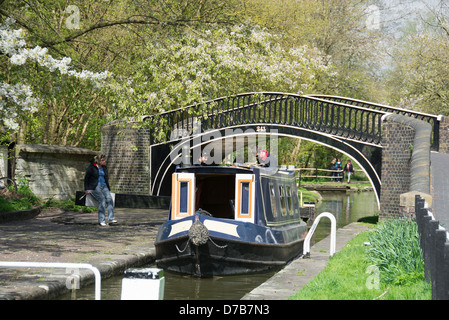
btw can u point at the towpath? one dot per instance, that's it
(59, 236)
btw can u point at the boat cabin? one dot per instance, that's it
(243, 194)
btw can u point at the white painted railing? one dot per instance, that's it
(19, 264)
(306, 250)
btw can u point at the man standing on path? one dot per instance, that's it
(96, 183)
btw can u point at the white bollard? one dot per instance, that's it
(143, 284)
(306, 249)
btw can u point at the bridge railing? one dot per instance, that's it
(435, 248)
(311, 113)
(318, 173)
(433, 120)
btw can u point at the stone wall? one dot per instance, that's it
(405, 163)
(127, 147)
(444, 135)
(52, 171)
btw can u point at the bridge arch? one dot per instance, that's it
(368, 157)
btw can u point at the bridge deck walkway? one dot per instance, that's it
(440, 187)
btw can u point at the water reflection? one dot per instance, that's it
(346, 208)
(218, 288)
(180, 287)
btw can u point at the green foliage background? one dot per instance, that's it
(166, 54)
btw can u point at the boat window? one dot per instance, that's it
(184, 197)
(289, 200)
(245, 198)
(282, 200)
(273, 200)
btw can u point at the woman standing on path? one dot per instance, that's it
(96, 182)
(349, 170)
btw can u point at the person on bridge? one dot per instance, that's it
(349, 169)
(331, 167)
(339, 168)
(96, 183)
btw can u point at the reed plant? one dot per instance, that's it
(395, 249)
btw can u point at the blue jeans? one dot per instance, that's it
(103, 196)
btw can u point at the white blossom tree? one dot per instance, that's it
(18, 98)
(208, 63)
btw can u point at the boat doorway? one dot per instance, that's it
(215, 194)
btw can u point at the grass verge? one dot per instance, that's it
(24, 199)
(351, 274)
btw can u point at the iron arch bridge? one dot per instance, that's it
(350, 126)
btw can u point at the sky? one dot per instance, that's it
(394, 15)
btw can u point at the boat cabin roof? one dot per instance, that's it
(216, 169)
(238, 169)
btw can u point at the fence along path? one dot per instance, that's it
(435, 247)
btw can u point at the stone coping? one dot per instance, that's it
(45, 148)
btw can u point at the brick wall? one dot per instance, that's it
(396, 157)
(127, 148)
(405, 164)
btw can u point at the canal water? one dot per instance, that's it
(346, 207)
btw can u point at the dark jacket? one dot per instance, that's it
(91, 177)
(349, 168)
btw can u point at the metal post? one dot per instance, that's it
(18, 264)
(306, 250)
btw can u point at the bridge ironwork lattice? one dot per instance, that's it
(312, 113)
(433, 120)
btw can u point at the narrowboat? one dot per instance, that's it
(230, 220)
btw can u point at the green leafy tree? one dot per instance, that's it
(419, 77)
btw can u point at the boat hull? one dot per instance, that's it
(222, 256)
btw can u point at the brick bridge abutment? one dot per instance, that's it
(406, 163)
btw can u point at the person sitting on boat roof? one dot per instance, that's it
(262, 155)
(204, 159)
(265, 159)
